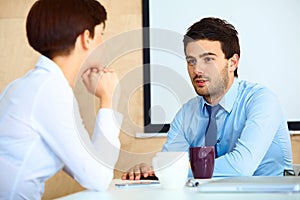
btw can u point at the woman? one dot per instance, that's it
(41, 130)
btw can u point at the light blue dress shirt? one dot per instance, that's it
(253, 138)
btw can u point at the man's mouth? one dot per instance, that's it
(200, 82)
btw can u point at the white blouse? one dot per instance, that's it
(41, 132)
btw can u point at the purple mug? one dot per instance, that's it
(202, 160)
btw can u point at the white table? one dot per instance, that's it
(155, 192)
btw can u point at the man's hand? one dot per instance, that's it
(138, 172)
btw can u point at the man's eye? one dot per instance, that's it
(207, 59)
(191, 62)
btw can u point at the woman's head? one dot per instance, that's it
(53, 25)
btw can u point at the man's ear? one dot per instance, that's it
(86, 39)
(234, 62)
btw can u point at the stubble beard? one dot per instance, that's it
(217, 87)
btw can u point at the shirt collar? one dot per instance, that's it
(48, 65)
(228, 100)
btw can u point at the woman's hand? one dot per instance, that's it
(101, 83)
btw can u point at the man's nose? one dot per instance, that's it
(198, 69)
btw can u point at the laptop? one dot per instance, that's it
(253, 184)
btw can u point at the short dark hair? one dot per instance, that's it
(215, 29)
(52, 26)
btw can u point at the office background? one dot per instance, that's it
(16, 58)
(269, 50)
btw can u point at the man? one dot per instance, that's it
(252, 135)
(41, 131)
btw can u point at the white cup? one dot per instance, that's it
(171, 168)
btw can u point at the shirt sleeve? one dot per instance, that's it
(56, 114)
(263, 118)
(176, 137)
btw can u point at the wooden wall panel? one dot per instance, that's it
(295, 139)
(15, 8)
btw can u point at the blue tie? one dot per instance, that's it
(212, 130)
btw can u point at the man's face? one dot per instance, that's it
(208, 69)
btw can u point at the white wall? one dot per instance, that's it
(269, 33)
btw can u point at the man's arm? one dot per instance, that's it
(264, 116)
